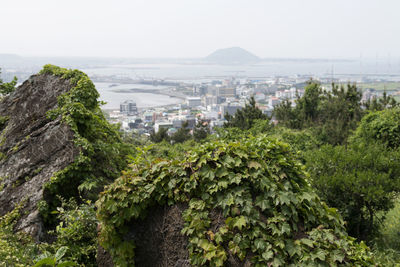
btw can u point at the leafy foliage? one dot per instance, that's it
(7, 88)
(159, 136)
(390, 230)
(300, 140)
(16, 249)
(182, 135)
(102, 154)
(47, 259)
(359, 180)
(77, 231)
(271, 215)
(382, 126)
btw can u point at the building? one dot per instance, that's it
(212, 100)
(229, 108)
(128, 107)
(162, 124)
(148, 117)
(193, 102)
(226, 92)
(273, 101)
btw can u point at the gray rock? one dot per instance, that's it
(32, 147)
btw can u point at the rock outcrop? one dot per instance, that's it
(158, 239)
(32, 147)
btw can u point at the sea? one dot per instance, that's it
(113, 94)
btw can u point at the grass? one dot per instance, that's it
(380, 86)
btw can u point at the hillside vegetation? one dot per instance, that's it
(320, 188)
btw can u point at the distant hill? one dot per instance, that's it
(9, 57)
(233, 55)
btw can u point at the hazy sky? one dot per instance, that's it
(189, 28)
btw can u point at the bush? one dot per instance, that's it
(361, 181)
(271, 215)
(77, 231)
(382, 126)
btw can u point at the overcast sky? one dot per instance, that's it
(195, 28)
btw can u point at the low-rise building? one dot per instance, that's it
(193, 102)
(128, 107)
(229, 108)
(162, 125)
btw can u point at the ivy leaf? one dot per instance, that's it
(319, 254)
(263, 203)
(240, 222)
(221, 172)
(267, 255)
(337, 256)
(307, 242)
(254, 164)
(223, 184)
(259, 244)
(286, 228)
(292, 248)
(284, 198)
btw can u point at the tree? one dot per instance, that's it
(331, 115)
(201, 131)
(360, 182)
(385, 102)
(182, 135)
(159, 136)
(7, 88)
(382, 126)
(286, 115)
(244, 118)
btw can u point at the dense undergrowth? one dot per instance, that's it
(271, 215)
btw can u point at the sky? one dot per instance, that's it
(196, 28)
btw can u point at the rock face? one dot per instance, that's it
(158, 239)
(32, 147)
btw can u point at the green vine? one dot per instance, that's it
(102, 154)
(271, 215)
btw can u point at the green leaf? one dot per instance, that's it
(319, 254)
(60, 253)
(263, 203)
(67, 264)
(338, 256)
(259, 244)
(307, 242)
(254, 164)
(267, 255)
(50, 261)
(240, 222)
(286, 228)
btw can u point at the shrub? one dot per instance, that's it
(271, 215)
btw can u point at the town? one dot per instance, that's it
(209, 102)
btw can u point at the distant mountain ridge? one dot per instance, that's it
(232, 55)
(9, 56)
